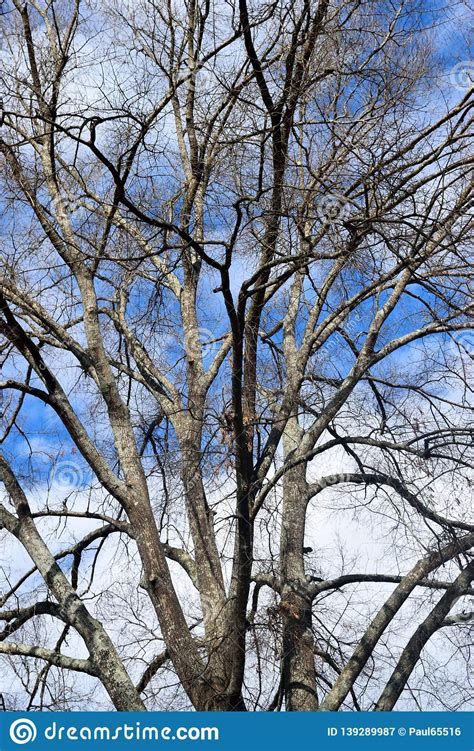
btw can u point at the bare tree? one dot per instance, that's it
(235, 303)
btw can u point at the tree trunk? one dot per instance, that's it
(298, 669)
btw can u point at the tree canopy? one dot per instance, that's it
(236, 347)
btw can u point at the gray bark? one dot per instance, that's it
(298, 663)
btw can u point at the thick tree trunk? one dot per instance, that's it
(298, 668)
(158, 583)
(209, 576)
(208, 567)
